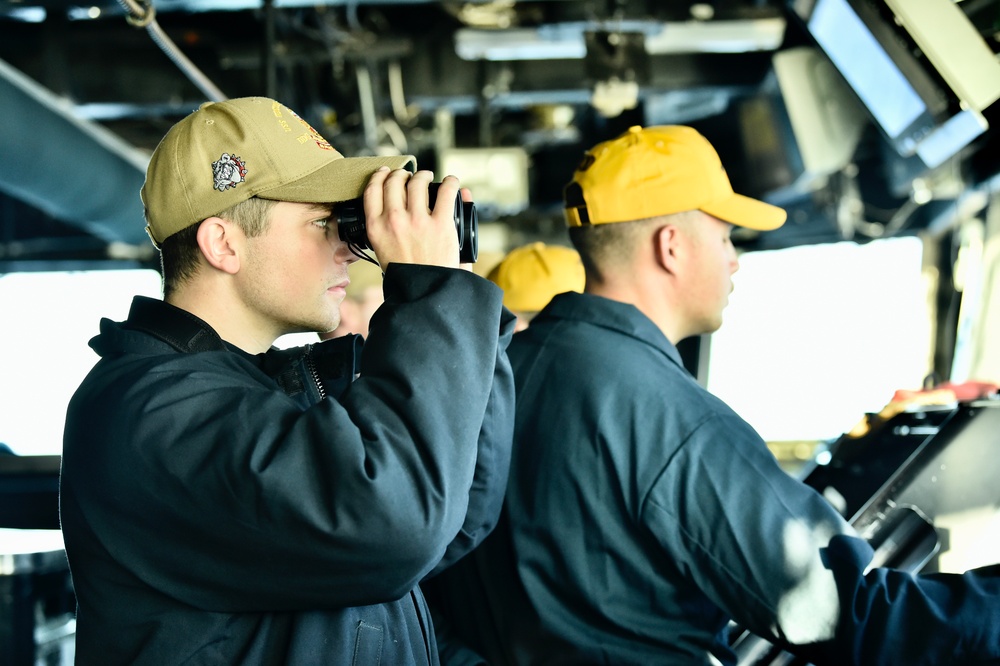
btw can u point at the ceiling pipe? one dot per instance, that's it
(142, 14)
(73, 170)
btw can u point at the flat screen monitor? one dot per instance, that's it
(914, 107)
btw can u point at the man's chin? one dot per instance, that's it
(318, 326)
(709, 326)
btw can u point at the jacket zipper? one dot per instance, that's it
(311, 366)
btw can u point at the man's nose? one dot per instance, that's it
(341, 252)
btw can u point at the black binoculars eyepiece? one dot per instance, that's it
(351, 224)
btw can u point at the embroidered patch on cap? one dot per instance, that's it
(229, 172)
(313, 134)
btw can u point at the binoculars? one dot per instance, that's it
(351, 224)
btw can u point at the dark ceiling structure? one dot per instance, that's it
(515, 91)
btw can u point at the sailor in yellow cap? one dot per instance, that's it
(530, 275)
(642, 513)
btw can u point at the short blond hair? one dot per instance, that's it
(179, 252)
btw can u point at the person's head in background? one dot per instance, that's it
(532, 274)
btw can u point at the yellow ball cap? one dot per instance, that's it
(532, 274)
(661, 170)
(227, 152)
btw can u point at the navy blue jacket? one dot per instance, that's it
(225, 508)
(642, 515)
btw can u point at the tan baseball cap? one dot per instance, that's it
(660, 170)
(227, 152)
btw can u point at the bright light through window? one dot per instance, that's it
(816, 336)
(48, 319)
(813, 338)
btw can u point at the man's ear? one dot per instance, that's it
(666, 241)
(219, 242)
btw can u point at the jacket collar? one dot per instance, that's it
(179, 328)
(623, 318)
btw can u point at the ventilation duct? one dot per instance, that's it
(71, 169)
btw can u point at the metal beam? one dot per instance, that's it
(72, 169)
